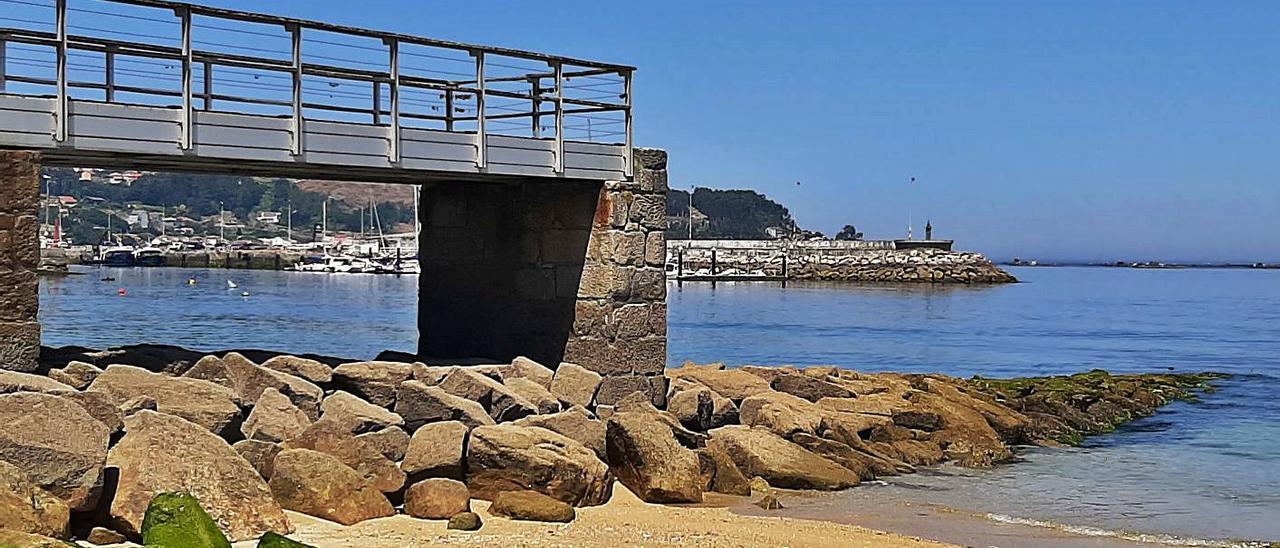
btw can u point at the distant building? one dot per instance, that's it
(269, 217)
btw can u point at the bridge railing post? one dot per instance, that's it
(558, 68)
(62, 107)
(535, 89)
(295, 33)
(393, 49)
(628, 166)
(187, 116)
(208, 86)
(482, 137)
(448, 110)
(109, 76)
(377, 103)
(3, 64)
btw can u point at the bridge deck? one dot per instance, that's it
(207, 89)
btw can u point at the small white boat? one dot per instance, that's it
(231, 285)
(336, 264)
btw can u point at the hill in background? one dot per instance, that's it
(727, 214)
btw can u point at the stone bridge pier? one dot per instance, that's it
(19, 258)
(557, 270)
(554, 270)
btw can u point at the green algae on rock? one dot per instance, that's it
(273, 540)
(176, 520)
(1066, 408)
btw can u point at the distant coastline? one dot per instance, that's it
(1144, 265)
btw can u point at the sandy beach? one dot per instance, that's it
(623, 521)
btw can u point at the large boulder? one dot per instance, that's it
(163, 453)
(260, 454)
(525, 368)
(639, 402)
(692, 407)
(531, 506)
(78, 375)
(645, 456)
(357, 415)
(97, 404)
(965, 436)
(575, 385)
(437, 498)
(1009, 424)
(759, 452)
(176, 520)
(513, 458)
(13, 381)
(25, 507)
(207, 404)
(685, 402)
(274, 418)
(249, 380)
(420, 404)
(534, 393)
(781, 413)
(845, 427)
(839, 453)
(376, 382)
(575, 423)
(334, 440)
(436, 451)
(720, 474)
(391, 441)
(311, 370)
(59, 446)
(809, 388)
(735, 384)
(319, 485)
(501, 402)
(18, 539)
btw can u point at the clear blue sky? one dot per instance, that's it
(1069, 130)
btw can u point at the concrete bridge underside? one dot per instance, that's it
(552, 268)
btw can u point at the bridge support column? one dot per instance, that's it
(555, 270)
(19, 258)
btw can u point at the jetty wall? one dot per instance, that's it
(554, 270)
(870, 261)
(19, 259)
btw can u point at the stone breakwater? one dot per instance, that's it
(912, 265)
(862, 265)
(104, 451)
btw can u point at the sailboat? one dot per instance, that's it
(231, 285)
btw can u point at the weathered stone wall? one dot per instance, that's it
(19, 258)
(554, 270)
(620, 327)
(882, 265)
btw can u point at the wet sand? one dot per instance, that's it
(923, 520)
(625, 521)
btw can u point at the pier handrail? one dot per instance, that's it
(589, 101)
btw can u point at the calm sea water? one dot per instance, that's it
(1205, 470)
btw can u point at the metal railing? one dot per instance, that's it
(224, 60)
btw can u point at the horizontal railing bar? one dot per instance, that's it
(221, 13)
(120, 48)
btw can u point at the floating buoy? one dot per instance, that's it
(191, 281)
(121, 292)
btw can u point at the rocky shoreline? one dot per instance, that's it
(91, 444)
